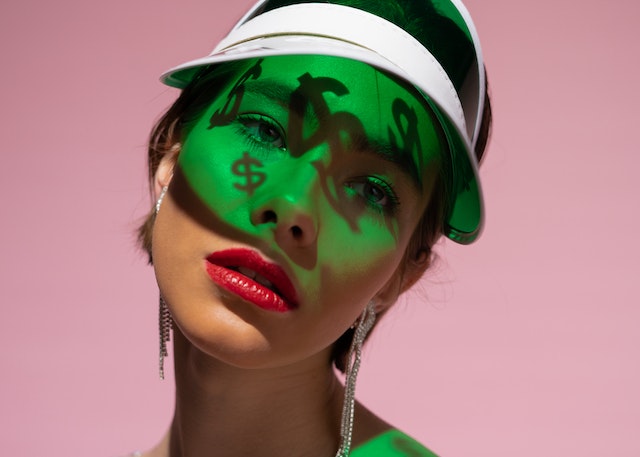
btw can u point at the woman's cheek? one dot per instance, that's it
(371, 252)
(217, 168)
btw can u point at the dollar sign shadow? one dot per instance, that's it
(243, 167)
(230, 109)
(331, 130)
(311, 92)
(406, 121)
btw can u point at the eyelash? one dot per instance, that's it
(388, 208)
(244, 124)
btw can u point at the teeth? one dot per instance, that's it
(264, 281)
(256, 277)
(247, 272)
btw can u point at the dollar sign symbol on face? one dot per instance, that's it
(330, 125)
(228, 113)
(332, 129)
(407, 124)
(244, 167)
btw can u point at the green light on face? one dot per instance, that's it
(311, 128)
(250, 177)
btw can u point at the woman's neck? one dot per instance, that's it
(224, 411)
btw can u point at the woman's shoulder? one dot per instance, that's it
(392, 443)
(374, 437)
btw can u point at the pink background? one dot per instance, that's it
(525, 344)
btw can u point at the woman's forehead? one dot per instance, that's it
(317, 87)
(317, 99)
(364, 84)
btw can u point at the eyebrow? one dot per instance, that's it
(392, 154)
(281, 93)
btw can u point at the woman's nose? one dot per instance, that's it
(291, 212)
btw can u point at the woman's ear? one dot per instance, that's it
(415, 268)
(164, 173)
(407, 274)
(388, 295)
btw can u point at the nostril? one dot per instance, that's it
(296, 232)
(269, 216)
(289, 222)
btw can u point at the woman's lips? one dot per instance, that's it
(246, 274)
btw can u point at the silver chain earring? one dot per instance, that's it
(159, 201)
(164, 318)
(165, 322)
(363, 326)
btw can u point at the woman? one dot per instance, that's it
(303, 175)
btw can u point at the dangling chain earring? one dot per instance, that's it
(165, 335)
(165, 321)
(363, 326)
(163, 192)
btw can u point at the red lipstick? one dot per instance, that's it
(245, 273)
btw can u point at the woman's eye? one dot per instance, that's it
(376, 193)
(262, 130)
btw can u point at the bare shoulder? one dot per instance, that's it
(374, 437)
(392, 443)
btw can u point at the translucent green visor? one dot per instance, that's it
(438, 53)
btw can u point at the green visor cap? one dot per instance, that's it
(439, 55)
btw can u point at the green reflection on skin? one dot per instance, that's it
(392, 443)
(334, 135)
(246, 168)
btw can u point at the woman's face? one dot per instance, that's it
(293, 200)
